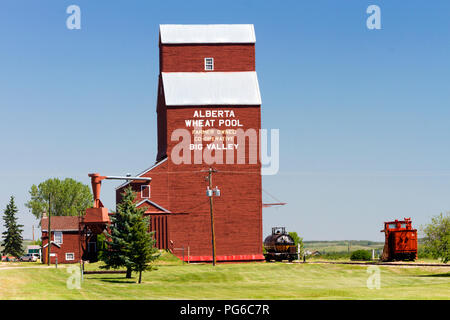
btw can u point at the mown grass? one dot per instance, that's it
(173, 280)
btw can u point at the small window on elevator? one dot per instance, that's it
(209, 64)
(145, 192)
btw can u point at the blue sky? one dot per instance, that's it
(363, 114)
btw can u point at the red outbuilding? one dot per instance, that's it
(209, 116)
(65, 239)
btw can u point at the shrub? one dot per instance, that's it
(297, 240)
(334, 255)
(363, 255)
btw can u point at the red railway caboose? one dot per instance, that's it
(400, 241)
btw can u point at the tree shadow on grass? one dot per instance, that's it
(447, 274)
(116, 280)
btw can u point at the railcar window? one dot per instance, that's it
(392, 226)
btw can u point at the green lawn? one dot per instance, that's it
(173, 280)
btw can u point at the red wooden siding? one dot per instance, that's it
(158, 224)
(190, 57)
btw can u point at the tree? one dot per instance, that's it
(129, 244)
(437, 237)
(297, 240)
(143, 250)
(361, 255)
(12, 237)
(68, 197)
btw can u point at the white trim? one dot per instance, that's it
(73, 256)
(209, 64)
(154, 204)
(62, 230)
(149, 191)
(52, 242)
(143, 172)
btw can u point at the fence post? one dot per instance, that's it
(188, 255)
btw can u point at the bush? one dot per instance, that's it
(297, 240)
(422, 253)
(334, 255)
(363, 255)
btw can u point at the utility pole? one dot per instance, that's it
(49, 232)
(212, 217)
(210, 192)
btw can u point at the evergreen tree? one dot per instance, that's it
(12, 237)
(129, 243)
(143, 250)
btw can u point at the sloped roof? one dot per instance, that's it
(149, 203)
(142, 173)
(211, 88)
(60, 223)
(207, 33)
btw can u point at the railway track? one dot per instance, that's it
(391, 264)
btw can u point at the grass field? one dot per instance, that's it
(173, 280)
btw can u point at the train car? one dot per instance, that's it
(280, 246)
(400, 241)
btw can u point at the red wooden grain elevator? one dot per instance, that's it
(205, 69)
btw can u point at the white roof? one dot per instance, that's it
(207, 33)
(211, 88)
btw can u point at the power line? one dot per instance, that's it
(272, 196)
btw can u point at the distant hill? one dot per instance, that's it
(342, 245)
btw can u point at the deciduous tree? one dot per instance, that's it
(297, 240)
(437, 237)
(68, 198)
